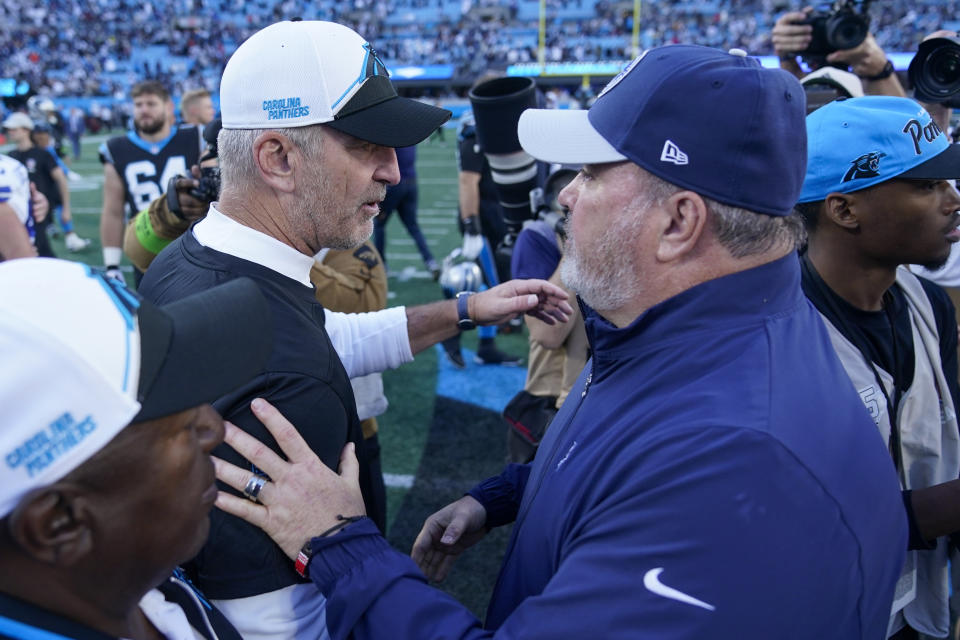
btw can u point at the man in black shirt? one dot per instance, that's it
(49, 179)
(877, 196)
(138, 165)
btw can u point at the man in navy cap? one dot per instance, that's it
(878, 195)
(713, 473)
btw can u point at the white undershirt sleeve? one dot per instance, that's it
(370, 342)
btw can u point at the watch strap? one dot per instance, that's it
(885, 73)
(463, 313)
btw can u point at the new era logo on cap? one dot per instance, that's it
(742, 122)
(672, 153)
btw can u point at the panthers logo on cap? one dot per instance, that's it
(866, 166)
(372, 63)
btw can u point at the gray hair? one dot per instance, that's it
(238, 171)
(740, 231)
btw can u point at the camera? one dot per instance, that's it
(497, 105)
(208, 187)
(543, 200)
(935, 71)
(841, 27)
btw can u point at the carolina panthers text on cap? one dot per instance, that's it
(285, 108)
(295, 73)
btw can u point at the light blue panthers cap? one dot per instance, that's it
(857, 143)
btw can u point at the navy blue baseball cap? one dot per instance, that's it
(713, 122)
(857, 143)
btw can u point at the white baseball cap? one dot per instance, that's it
(18, 120)
(296, 74)
(83, 357)
(839, 79)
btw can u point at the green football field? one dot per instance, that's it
(442, 431)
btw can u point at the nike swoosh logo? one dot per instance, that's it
(651, 580)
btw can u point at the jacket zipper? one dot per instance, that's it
(553, 455)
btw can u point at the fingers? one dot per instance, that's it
(349, 466)
(291, 442)
(250, 511)
(941, 33)
(443, 567)
(422, 544)
(550, 317)
(254, 451)
(541, 288)
(790, 37)
(234, 476)
(183, 185)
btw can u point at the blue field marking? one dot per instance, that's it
(485, 385)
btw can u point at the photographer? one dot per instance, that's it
(186, 200)
(557, 352)
(793, 35)
(155, 227)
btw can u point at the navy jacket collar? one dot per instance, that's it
(729, 302)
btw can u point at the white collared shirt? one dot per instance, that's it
(366, 342)
(226, 235)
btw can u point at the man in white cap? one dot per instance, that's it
(310, 123)
(106, 485)
(700, 480)
(21, 206)
(49, 179)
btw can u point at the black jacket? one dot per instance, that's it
(303, 378)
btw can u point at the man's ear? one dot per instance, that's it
(53, 525)
(271, 153)
(681, 224)
(840, 209)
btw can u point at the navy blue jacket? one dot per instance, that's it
(712, 475)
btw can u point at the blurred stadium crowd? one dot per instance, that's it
(102, 47)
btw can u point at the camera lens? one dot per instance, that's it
(941, 73)
(935, 70)
(846, 31)
(945, 66)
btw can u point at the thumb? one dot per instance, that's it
(349, 466)
(452, 533)
(528, 302)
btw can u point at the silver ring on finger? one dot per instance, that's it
(254, 486)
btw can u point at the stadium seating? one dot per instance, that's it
(71, 48)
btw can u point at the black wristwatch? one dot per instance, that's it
(885, 73)
(463, 314)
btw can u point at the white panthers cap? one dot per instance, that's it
(296, 74)
(83, 357)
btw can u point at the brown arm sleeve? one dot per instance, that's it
(351, 281)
